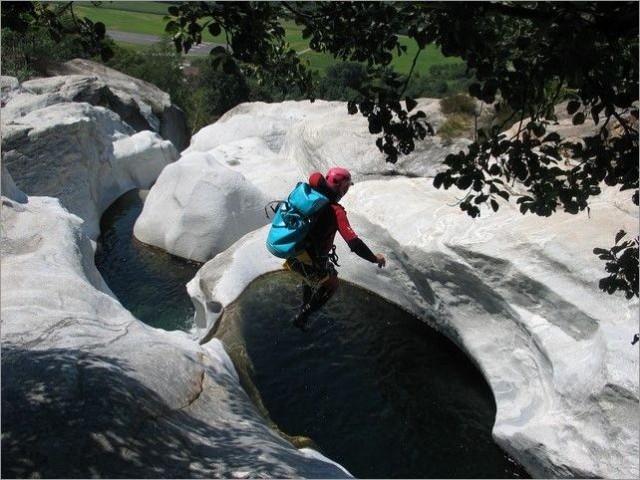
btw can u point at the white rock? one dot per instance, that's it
(339, 139)
(141, 104)
(268, 121)
(89, 391)
(9, 188)
(270, 172)
(518, 293)
(83, 155)
(198, 208)
(9, 87)
(274, 146)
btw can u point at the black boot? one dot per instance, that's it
(307, 293)
(316, 300)
(300, 318)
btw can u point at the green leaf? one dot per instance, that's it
(374, 125)
(494, 205)
(439, 179)
(194, 28)
(552, 137)
(464, 182)
(214, 29)
(620, 235)
(106, 53)
(623, 100)
(177, 41)
(475, 90)
(573, 106)
(524, 198)
(481, 199)
(100, 30)
(411, 103)
(504, 195)
(171, 27)
(229, 66)
(538, 129)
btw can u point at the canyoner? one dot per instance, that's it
(303, 231)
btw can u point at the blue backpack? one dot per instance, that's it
(293, 219)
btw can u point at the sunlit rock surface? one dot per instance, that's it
(273, 146)
(198, 208)
(140, 104)
(518, 293)
(82, 154)
(89, 391)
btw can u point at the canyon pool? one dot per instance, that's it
(375, 389)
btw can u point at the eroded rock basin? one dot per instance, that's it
(376, 390)
(149, 282)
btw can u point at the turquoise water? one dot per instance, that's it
(377, 390)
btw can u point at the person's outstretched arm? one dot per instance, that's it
(355, 243)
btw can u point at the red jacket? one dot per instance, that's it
(332, 219)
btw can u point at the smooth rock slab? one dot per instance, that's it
(83, 155)
(89, 391)
(517, 293)
(141, 104)
(198, 208)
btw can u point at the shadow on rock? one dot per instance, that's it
(75, 414)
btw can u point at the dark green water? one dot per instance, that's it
(150, 283)
(380, 392)
(377, 390)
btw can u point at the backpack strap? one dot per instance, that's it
(274, 206)
(333, 256)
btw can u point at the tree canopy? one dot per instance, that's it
(59, 20)
(527, 56)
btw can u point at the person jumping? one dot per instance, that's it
(315, 261)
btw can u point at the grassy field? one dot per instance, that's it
(126, 20)
(148, 18)
(157, 8)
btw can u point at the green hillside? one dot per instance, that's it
(149, 18)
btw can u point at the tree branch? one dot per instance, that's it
(413, 65)
(298, 13)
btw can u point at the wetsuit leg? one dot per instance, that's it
(322, 295)
(320, 281)
(319, 297)
(307, 293)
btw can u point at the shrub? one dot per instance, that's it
(159, 64)
(211, 92)
(460, 103)
(341, 81)
(22, 52)
(456, 125)
(440, 80)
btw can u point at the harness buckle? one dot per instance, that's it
(333, 256)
